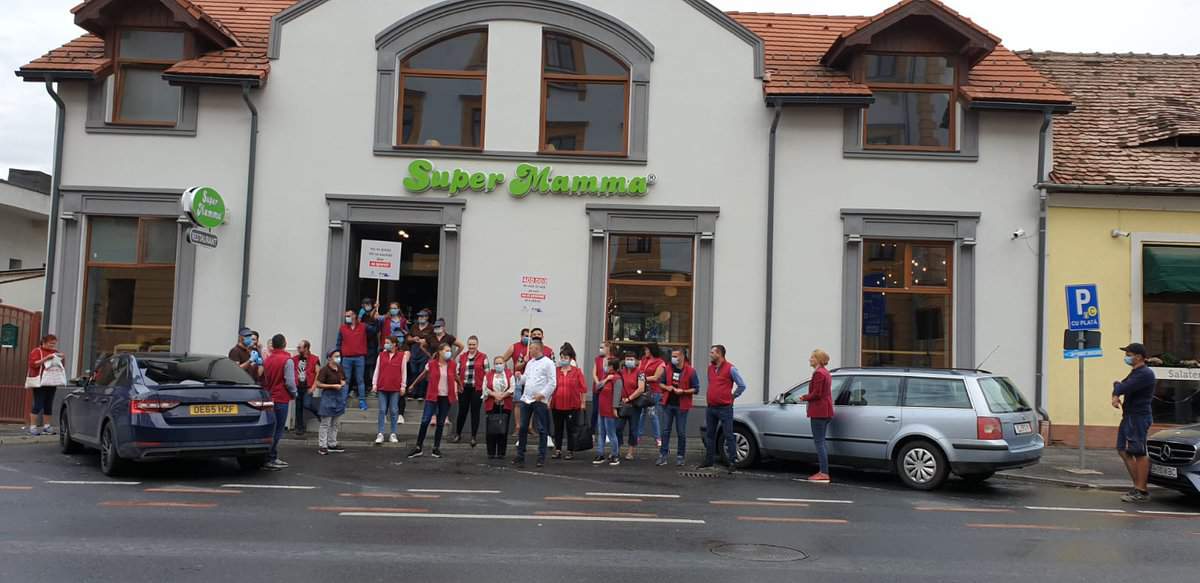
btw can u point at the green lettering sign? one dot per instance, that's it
(527, 179)
(204, 206)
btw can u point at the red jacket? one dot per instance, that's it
(569, 392)
(685, 382)
(487, 383)
(391, 371)
(649, 367)
(353, 341)
(601, 369)
(819, 397)
(629, 380)
(310, 373)
(35, 367)
(481, 359)
(273, 378)
(720, 385)
(435, 376)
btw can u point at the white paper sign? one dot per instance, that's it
(1164, 373)
(534, 291)
(379, 260)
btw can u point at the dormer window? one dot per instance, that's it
(142, 96)
(1177, 141)
(914, 106)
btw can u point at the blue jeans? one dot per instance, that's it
(355, 367)
(281, 415)
(538, 414)
(634, 424)
(608, 436)
(819, 428)
(654, 413)
(389, 409)
(440, 407)
(676, 415)
(724, 417)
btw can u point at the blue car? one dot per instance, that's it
(148, 407)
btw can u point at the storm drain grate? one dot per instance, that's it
(759, 553)
(697, 475)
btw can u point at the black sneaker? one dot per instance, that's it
(704, 466)
(335, 448)
(457, 439)
(598, 460)
(519, 462)
(540, 462)
(415, 453)
(323, 451)
(614, 460)
(1136, 496)
(731, 469)
(437, 453)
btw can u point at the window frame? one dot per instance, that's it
(402, 72)
(910, 289)
(690, 286)
(952, 90)
(120, 64)
(547, 78)
(849, 386)
(965, 391)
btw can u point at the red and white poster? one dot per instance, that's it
(533, 292)
(379, 260)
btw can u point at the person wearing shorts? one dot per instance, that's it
(42, 412)
(1133, 396)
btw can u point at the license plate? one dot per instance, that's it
(1164, 471)
(1023, 428)
(222, 409)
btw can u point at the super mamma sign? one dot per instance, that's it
(526, 179)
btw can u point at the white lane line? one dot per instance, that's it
(92, 483)
(805, 500)
(445, 491)
(269, 486)
(629, 495)
(1069, 509)
(539, 518)
(1168, 513)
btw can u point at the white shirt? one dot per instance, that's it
(540, 378)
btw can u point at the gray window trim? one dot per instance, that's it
(968, 140)
(79, 202)
(453, 16)
(959, 227)
(697, 221)
(97, 113)
(346, 210)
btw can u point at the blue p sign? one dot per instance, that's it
(1083, 307)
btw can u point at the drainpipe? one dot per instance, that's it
(249, 203)
(1039, 397)
(766, 388)
(55, 195)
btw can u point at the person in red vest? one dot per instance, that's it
(498, 390)
(519, 354)
(390, 381)
(442, 392)
(599, 373)
(680, 386)
(307, 365)
(279, 379)
(608, 415)
(352, 343)
(567, 404)
(633, 385)
(723, 377)
(471, 365)
(820, 410)
(655, 370)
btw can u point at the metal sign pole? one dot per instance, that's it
(1082, 345)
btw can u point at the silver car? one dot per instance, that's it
(921, 423)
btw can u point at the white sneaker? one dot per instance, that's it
(379, 439)
(400, 419)
(393, 439)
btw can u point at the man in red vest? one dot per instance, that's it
(679, 386)
(279, 379)
(723, 377)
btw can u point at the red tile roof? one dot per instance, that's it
(1124, 103)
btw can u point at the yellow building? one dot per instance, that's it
(1124, 214)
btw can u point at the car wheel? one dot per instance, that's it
(65, 443)
(744, 444)
(921, 465)
(111, 462)
(977, 478)
(250, 463)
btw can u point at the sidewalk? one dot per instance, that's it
(1060, 467)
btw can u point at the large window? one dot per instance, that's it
(129, 286)
(1171, 329)
(914, 106)
(906, 303)
(585, 99)
(142, 96)
(442, 90)
(650, 282)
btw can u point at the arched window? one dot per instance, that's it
(585, 99)
(442, 91)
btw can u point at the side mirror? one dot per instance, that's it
(82, 380)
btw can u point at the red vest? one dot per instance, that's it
(273, 380)
(354, 340)
(648, 367)
(435, 377)
(480, 360)
(720, 385)
(629, 380)
(520, 355)
(310, 373)
(391, 372)
(568, 394)
(487, 382)
(607, 410)
(685, 382)
(601, 369)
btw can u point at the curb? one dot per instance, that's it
(1061, 482)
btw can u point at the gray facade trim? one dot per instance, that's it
(82, 202)
(698, 222)
(968, 140)
(346, 210)
(1124, 201)
(97, 113)
(285, 16)
(502, 155)
(454, 16)
(960, 227)
(735, 27)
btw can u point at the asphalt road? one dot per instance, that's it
(371, 515)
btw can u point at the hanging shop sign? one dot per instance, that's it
(526, 179)
(204, 206)
(202, 238)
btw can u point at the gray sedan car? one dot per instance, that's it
(1175, 459)
(921, 423)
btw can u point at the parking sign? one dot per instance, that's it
(1083, 307)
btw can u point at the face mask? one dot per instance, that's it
(446, 354)
(563, 363)
(602, 351)
(367, 307)
(674, 361)
(394, 311)
(337, 360)
(438, 330)
(422, 321)
(537, 338)
(1129, 361)
(630, 363)
(388, 346)
(248, 340)
(525, 340)
(498, 367)
(349, 320)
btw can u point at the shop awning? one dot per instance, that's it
(1171, 270)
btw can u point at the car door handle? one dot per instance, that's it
(891, 419)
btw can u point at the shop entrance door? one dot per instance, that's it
(417, 287)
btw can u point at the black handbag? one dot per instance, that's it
(581, 430)
(497, 423)
(642, 401)
(627, 410)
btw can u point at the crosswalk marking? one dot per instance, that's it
(527, 517)
(451, 491)
(805, 500)
(630, 495)
(1070, 509)
(269, 486)
(92, 483)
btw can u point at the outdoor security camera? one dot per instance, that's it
(1017, 234)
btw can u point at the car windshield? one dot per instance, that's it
(1002, 395)
(197, 371)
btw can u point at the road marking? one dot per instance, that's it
(269, 486)
(793, 520)
(15, 488)
(757, 503)
(1022, 526)
(174, 490)
(1069, 509)
(1167, 513)
(148, 504)
(390, 495)
(364, 509)
(805, 500)
(569, 513)
(92, 483)
(628, 495)
(960, 509)
(445, 491)
(530, 517)
(589, 499)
